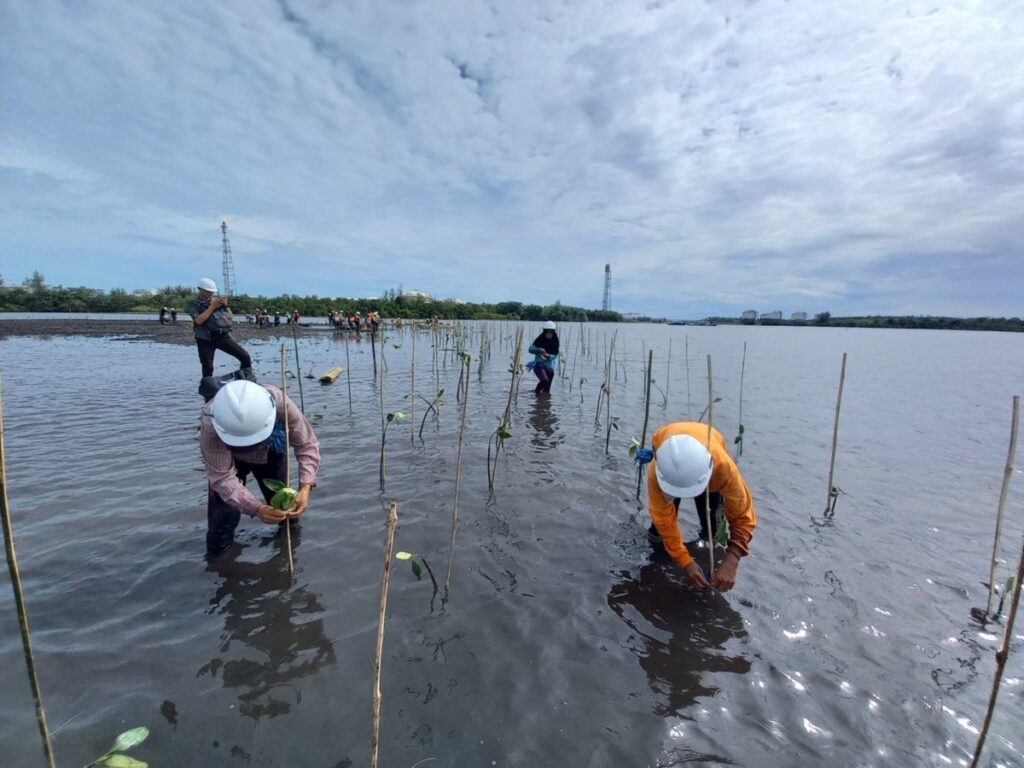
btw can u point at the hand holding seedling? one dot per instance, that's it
(696, 575)
(725, 575)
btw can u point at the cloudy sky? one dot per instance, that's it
(858, 157)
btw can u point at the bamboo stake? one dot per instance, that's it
(668, 374)
(287, 466)
(1007, 476)
(383, 434)
(373, 351)
(389, 546)
(707, 491)
(1001, 656)
(829, 507)
(458, 480)
(743, 368)
(608, 395)
(643, 432)
(412, 394)
(689, 412)
(298, 368)
(348, 375)
(19, 599)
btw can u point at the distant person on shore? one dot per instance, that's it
(295, 316)
(373, 321)
(163, 315)
(242, 430)
(174, 316)
(545, 351)
(212, 319)
(681, 467)
(277, 318)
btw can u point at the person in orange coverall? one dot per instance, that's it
(685, 464)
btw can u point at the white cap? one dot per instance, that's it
(207, 284)
(549, 325)
(244, 413)
(682, 466)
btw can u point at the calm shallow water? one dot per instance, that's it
(565, 642)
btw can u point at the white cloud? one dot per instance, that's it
(723, 155)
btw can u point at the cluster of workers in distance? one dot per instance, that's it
(247, 428)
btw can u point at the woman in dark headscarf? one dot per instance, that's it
(545, 361)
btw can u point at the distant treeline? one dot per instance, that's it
(898, 321)
(41, 298)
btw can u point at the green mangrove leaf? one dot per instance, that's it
(635, 443)
(717, 400)
(123, 761)
(615, 423)
(741, 429)
(632, 451)
(403, 555)
(416, 570)
(283, 499)
(272, 484)
(399, 415)
(130, 739)
(440, 394)
(502, 432)
(738, 440)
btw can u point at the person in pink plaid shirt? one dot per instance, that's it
(243, 430)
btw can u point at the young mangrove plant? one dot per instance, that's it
(115, 757)
(389, 547)
(396, 416)
(1003, 493)
(739, 436)
(833, 492)
(417, 571)
(287, 468)
(432, 406)
(638, 445)
(466, 365)
(501, 432)
(707, 491)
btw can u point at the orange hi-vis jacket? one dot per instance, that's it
(725, 480)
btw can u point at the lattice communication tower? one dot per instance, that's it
(606, 303)
(228, 265)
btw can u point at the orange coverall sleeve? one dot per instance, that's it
(663, 514)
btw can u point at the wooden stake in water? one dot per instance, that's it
(373, 352)
(707, 491)
(1001, 656)
(298, 368)
(348, 375)
(830, 508)
(739, 437)
(1007, 476)
(389, 547)
(647, 412)
(19, 600)
(689, 400)
(458, 478)
(412, 393)
(287, 466)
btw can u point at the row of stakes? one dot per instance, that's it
(449, 344)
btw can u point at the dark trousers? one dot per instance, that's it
(224, 342)
(698, 503)
(221, 517)
(545, 375)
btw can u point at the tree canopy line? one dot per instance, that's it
(898, 321)
(34, 295)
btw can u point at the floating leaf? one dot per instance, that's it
(416, 570)
(404, 555)
(123, 761)
(130, 739)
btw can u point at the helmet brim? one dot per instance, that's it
(244, 441)
(682, 492)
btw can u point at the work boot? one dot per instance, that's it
(248, 374)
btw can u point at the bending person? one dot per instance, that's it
(242, 431)
(545, 349)
(684, 468)
(212, 320)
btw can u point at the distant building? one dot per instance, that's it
(409, 293)
(798, 316)
(749, 317)
(776, 315)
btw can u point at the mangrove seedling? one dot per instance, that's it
(432, 405)
(284, 496)
(706, 408)
(498, 438)
(396, 416)
(738, 442)
(417, 571)
(113, 757)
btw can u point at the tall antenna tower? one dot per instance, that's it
(228, 265)
(606, 303)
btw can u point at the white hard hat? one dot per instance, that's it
(207, 284)
(244, 413)
(549, 325)
(683, 466)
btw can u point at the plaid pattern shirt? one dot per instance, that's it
(220, 461)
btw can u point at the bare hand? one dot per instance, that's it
(725, 574)
(223, 301)
(301, 502)
(269, 515)
(696, 575)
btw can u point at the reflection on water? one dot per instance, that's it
(544, 433)
(681, 635)
(280, 623)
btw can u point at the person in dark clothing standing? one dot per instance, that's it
(174, 316)
(212, 317)
(545, 351)
(163, 315)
